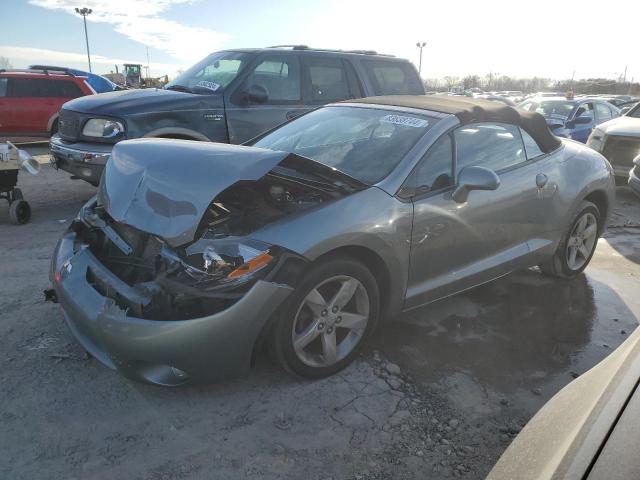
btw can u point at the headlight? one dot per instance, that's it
(224, 261)
(596, 140)
(102, 128)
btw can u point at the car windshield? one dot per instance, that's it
(212, 74)
(634, 111)
(559, 109)
(364, 143)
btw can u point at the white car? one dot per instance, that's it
(619, 141)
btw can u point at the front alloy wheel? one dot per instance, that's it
(330, 321)
(327, 318)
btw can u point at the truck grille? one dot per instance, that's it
(621, 151)
(69, 125)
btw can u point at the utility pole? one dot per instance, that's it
(84, 12)
(147, 63)
(420, 45)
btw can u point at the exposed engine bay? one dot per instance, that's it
(221, 264)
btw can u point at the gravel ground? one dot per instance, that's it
(438, 394)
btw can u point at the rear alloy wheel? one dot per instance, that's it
(327, 319)
(582, 241)
(575, 251)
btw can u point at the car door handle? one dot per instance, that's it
(541, 180)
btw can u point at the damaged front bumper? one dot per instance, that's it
(162, 352)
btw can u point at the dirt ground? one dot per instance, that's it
(439, 393)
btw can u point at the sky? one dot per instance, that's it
(517, 38)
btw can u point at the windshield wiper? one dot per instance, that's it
(179, 88)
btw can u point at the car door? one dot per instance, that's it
(59, 92)
(581, 131)
(6, 124)
(31, 104)
(455, 246)
(278, 79)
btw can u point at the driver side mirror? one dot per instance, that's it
(474, 178)
(256, 94)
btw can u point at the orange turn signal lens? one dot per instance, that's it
(251, 266)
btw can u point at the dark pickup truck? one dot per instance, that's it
(231, 96)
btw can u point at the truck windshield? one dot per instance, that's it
(212, 74)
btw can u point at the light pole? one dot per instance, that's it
(420, 45)
(84, 12)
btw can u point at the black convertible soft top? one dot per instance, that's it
(470, 110)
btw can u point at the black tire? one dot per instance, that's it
(20, 212)
(16, 195)
(281, 345)
(558, 265)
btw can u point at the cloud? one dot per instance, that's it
(21, 57)
(141, 21)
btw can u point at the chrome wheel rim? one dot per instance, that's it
(582, 241)
(330, 321)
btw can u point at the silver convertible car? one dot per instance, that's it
(193, 255)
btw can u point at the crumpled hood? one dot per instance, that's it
(130, 102)
(164, 187)
(625, 126)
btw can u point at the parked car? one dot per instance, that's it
(514, 95)
(31, 99)
(573, 119)
(194, 253)
(230, 96)
(498, 98)
(627, 105)
(97, 83)
(619, 141)
(588, 430)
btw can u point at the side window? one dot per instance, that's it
(64, 89)
(328, 80)
(393, 78)
(3, 87)
(355, 89)
(280, 77)
(492, 145)
(531, 147)
(435, 169)
(602, 112)
(30, 87)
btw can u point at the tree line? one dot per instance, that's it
(496, 82)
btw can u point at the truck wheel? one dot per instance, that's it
(20, 212)
(323, 324)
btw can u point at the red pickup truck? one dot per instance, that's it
(31, 99)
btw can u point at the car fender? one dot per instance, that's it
(167, 132)
(370, 219)
(582, 162)
(51, 121)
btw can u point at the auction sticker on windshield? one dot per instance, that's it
(405, 121)
(208, 85)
